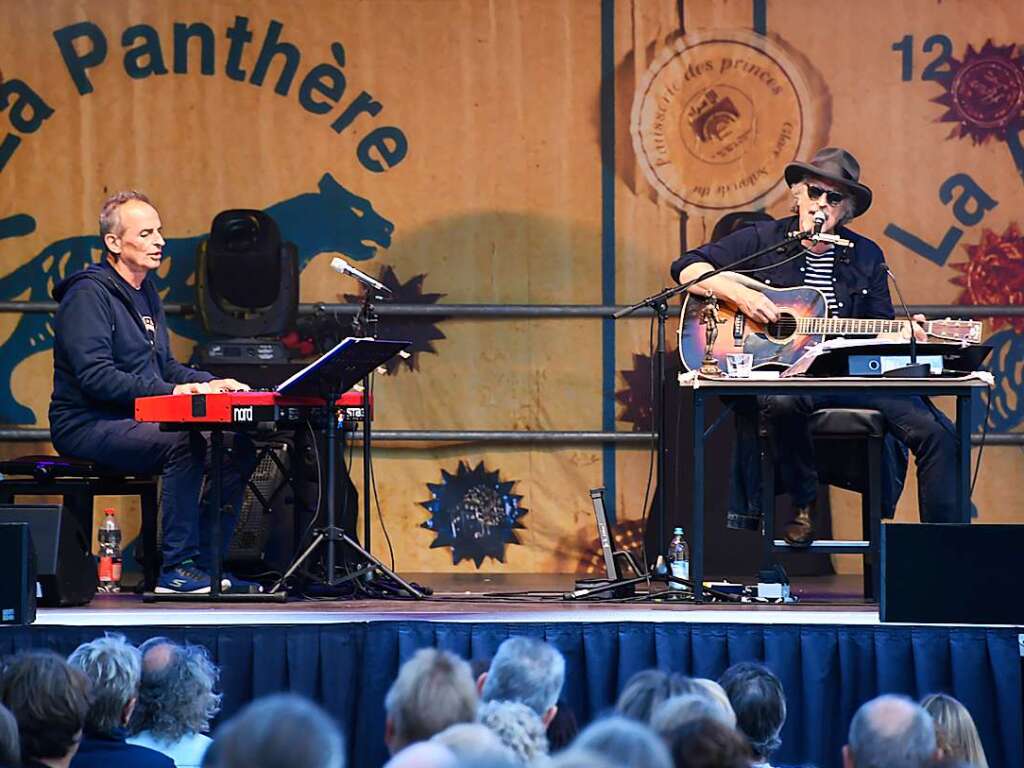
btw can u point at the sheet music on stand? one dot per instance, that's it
(344, 365)
(832, 356)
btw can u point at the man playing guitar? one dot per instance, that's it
(854, 283)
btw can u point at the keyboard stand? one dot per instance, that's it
(216, 595)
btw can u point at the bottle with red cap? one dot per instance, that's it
(110, 553)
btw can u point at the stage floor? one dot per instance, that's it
(483, 598)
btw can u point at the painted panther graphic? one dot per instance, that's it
(330, 220)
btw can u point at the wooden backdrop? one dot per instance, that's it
(486, 152)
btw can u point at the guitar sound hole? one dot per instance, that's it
(782, 328)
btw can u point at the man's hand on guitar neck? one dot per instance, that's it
(904, 335)
(754, 304)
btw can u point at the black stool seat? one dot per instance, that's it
(847, 422)
(79, 482)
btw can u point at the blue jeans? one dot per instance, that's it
(183, 461)
(912, 422)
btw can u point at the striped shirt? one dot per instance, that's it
(819, 274)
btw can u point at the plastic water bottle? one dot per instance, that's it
(110, 553)
(678, 559)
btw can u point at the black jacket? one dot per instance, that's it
(861, 287)
(103, 356)
(112, 751)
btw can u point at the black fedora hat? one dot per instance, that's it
(835, 165)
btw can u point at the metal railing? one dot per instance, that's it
(508, 311)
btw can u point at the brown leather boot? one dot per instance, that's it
(800, 530)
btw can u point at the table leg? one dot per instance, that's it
(963, 429)
(697, 534)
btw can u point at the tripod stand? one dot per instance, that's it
(332, 375)
(659, 304)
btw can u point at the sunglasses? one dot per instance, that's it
(831, 197)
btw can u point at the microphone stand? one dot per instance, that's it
(659, 303)
(365, 325)
(915, 370)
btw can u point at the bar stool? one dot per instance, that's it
(79, 482)
(841, 462)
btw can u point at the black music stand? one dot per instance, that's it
(338, 370)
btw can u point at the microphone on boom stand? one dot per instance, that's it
(914, 370)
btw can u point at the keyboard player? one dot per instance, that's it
(111, 346)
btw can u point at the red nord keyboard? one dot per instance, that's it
(240, 409)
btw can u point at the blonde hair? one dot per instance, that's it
(955, 731)
(846, 211)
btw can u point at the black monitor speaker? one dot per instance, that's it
(952, 574)
(65, 567)
(17, 575)
(247, 279)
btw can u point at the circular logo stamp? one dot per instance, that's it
(718, 116)
(984, 92)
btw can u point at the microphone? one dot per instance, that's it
(819, 221)
(915, 370)
(342, 267)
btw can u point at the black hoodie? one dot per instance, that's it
(103, 355)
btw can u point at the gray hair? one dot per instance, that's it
(176, 698)
(114, 666)
(281, 729)
(675, 712)
(434, 689)
(518, 726)
(110, 211)
(10, 744)
(577, 757)
(474, 742)
(526, 670)
(892, 732)
(846, 210)
(625, 742)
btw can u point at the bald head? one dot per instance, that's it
(890, 732)
(157, 658)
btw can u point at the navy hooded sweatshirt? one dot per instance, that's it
(104, 356)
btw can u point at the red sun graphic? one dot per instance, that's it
(994, 273)
(984, 92)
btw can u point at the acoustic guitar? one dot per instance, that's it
(803, 321)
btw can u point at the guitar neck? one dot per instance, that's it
(847, 326)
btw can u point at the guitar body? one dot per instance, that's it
(773, 345)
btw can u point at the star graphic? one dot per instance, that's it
(474, 512)
(419, 331)
(636, 397)
(984, 92)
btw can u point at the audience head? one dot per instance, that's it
(577, 757)
(759, 702)
(644, 691)
(708, 743)
(282, 729)
(712, 691)
(474, 742)
(890, 732)
(526, 670)
(176, 695)
(10, 745)
(955, 732)
(625, 742)
(49, 700)
(518, 727)
(114, 667)
(425, 754)
(675, 712)
(434, 689)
